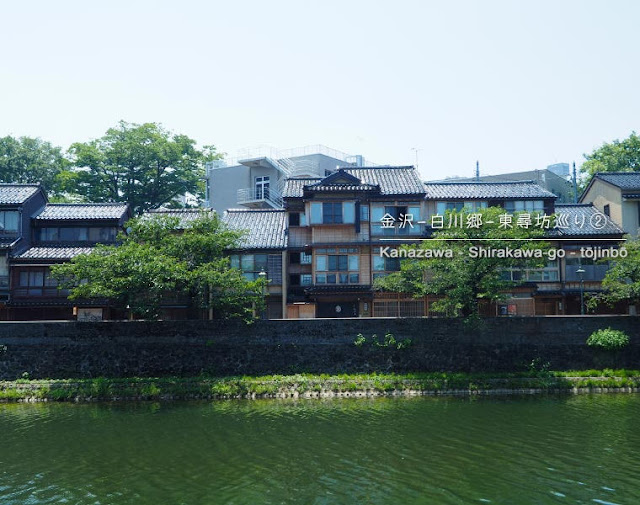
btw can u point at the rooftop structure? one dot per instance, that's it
(255, 177)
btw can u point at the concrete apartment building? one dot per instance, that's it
(255, 177)
(616, 194)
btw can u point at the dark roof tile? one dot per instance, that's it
(389, 180)
(53, 253)
(485, 190)
(82, 211)
(584, 220)
(15, 194)
(266, 228)
(623, 180)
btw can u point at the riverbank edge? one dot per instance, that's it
(319, 386)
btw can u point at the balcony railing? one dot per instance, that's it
(270, 196)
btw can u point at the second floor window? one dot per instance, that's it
(337, 269)
(262, 187)
(333, 212)
(76, 234)
(9, 221)
(250, 264)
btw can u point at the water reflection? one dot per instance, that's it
(555, 449)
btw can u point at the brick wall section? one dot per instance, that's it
(188, 348)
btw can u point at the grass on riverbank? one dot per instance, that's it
(309, 385)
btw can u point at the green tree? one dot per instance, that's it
(462, 279)
(616, 156)
(158, 260)
(33, 160)
(622, 281)
(141, 164)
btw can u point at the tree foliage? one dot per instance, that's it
(33, 160)
(463, 281)
(157, 262)
(617, 156)
(141, 164)
(622, 281)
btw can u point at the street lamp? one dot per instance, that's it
(581, 271)
(263, 277)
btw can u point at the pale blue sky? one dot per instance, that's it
(517, 85)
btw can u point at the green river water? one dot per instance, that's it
(510, 450)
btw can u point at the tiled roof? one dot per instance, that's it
(53, 253)
(7, 241)
(293, 188)
(623, 180)
(390, 180)
(343, 187)
(15, 194)
(81, 211)
(485, 190)
(584, 220)
(266, 228)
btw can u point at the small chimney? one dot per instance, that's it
(477, 171)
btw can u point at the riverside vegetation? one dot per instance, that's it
(537, 379)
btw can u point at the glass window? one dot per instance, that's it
(247, 263)
(344, 278)
(415, 213)
(338, 262)
(235, 261)
(9, 220)
(305, 279)
(48, 234)
(354, 278)
(305, 258)
(294, 219)
(50, 281)
(260, 262)
(354, 262)
(303, 219)
(321, 263)
(377, 213)
(321, 279)
(331, 278)
(349, 212)
(36, 278)
(332, 213)
(364, 213)
(68, 234)
(316, 213)
(378, 263)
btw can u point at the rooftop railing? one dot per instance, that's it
(265, 151)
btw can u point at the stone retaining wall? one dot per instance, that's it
(189, 348)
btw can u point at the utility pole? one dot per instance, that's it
(575, 184)
(416, 151)
(477, 171)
